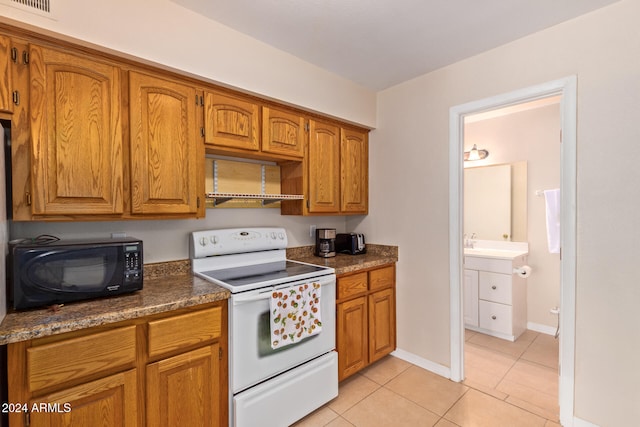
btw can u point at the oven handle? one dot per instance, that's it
(266, 293)
(243, 299)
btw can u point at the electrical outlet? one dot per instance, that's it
(312, 231)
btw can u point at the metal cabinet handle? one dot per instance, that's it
(494, 317)
(494, 287)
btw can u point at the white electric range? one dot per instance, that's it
(268, 387)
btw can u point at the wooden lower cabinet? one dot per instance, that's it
(366, 318)
(184, 390)
(107, 402)
(163, 370)
(351, 337)
(382, 324)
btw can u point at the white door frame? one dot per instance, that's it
(567, 88)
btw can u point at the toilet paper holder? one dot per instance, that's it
(522, 271)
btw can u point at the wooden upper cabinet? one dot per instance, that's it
(354, 172)
(164, 146)
(283, 132)
(75, 116)
(231, 122)
(6, 85)
(324, 167)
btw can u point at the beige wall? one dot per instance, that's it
(409, 194)
(532, 136)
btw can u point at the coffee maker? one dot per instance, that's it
(325, 242)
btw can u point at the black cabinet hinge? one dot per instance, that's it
(219, 353)
(16, 97)
(14, 55)
(25, 57)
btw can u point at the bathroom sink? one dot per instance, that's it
(493, 253)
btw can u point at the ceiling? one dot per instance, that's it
(380, 43)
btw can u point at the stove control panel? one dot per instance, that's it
(236, 240)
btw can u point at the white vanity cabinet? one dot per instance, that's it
(495, 299)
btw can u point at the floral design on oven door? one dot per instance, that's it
(295, 314)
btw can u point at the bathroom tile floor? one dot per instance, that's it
(507, 384)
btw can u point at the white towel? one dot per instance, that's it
(295, 314)
(552, 200)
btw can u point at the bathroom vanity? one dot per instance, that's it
(495, 296)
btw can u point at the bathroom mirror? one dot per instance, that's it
(495, 202)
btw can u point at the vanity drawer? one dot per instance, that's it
(495, 287)
(494, 265)
(495, 317)
(354, 284)
(176, 332)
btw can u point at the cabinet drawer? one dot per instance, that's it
(495, 287)
(495, 317)
(504, 266)
(382, 278)
(75, 358)
(172, 333)
(352, 285)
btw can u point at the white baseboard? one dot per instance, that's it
(436, 368)
(577, 422)
(544, 329)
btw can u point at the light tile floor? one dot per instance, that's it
(507, 384)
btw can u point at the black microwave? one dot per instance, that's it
(44, 272)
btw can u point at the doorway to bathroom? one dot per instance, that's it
(562, 94)
(510, 349)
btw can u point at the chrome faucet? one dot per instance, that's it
(469, 242)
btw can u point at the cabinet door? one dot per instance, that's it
(282, 132)
(107, 402)
(164, 152)
(324, 168)
(6, 84)
(382, 324)
(231, 122)
(354, 172)
(351, 336)
(184, 390)
(470, 297)
(76, 151)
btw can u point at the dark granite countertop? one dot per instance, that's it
(377, 255)
(167, 286)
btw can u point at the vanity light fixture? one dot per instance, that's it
(475, 154)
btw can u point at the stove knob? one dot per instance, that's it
(273, 235)
(203, 241)
(281, 235)
(214, 239)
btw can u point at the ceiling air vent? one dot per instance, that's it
(41, 7)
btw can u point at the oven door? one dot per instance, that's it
(252, 358)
